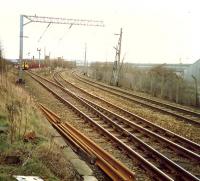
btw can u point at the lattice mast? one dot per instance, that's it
(117, 63)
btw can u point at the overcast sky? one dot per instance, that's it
(154, 31)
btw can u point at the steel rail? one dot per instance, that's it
(182, 173)
(137, 99)
(145, 98)
(176, 147)
(195, 157)
(142, 122)
(113, 168)
(152, 170)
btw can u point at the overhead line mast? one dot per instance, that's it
(117, 63)
(49, 20)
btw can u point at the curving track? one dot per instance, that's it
(139, 143)
(189, 116)
(141, 127)
(129, 117)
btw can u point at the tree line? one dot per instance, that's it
(157, 81)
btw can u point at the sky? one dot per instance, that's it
(154, 31)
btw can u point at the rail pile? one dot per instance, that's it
(113, 168)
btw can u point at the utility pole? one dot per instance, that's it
(62, 61)
(21, 49)
(1, 59)
(85, 60)
(117, 63)
(45, 61)
(39, 51)
(49, 20)
(44, 52)
(196, 91)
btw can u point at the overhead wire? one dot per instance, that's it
(60, 39)
(44, 32)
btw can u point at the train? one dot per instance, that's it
(25, 65)
(30, 65)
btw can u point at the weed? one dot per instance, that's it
(19, 113)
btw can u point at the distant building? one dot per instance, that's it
(194, 70)
(79, 62)
(176, 67)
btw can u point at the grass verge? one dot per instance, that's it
(26, 147)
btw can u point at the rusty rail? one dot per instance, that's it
(113, 168)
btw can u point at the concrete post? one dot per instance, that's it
(21, 49)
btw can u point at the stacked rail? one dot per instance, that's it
(113, 168)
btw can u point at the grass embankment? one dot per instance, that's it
(26, 146)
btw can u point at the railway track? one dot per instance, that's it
(156, 164)
(129, 117)
(140, 125)
(189, 116)
(113, 168)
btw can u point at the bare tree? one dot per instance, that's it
(196, 91)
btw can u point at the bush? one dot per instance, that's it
(158, 81)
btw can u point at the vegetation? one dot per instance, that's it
(51, 63)
(157, 81)
(26, 146)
